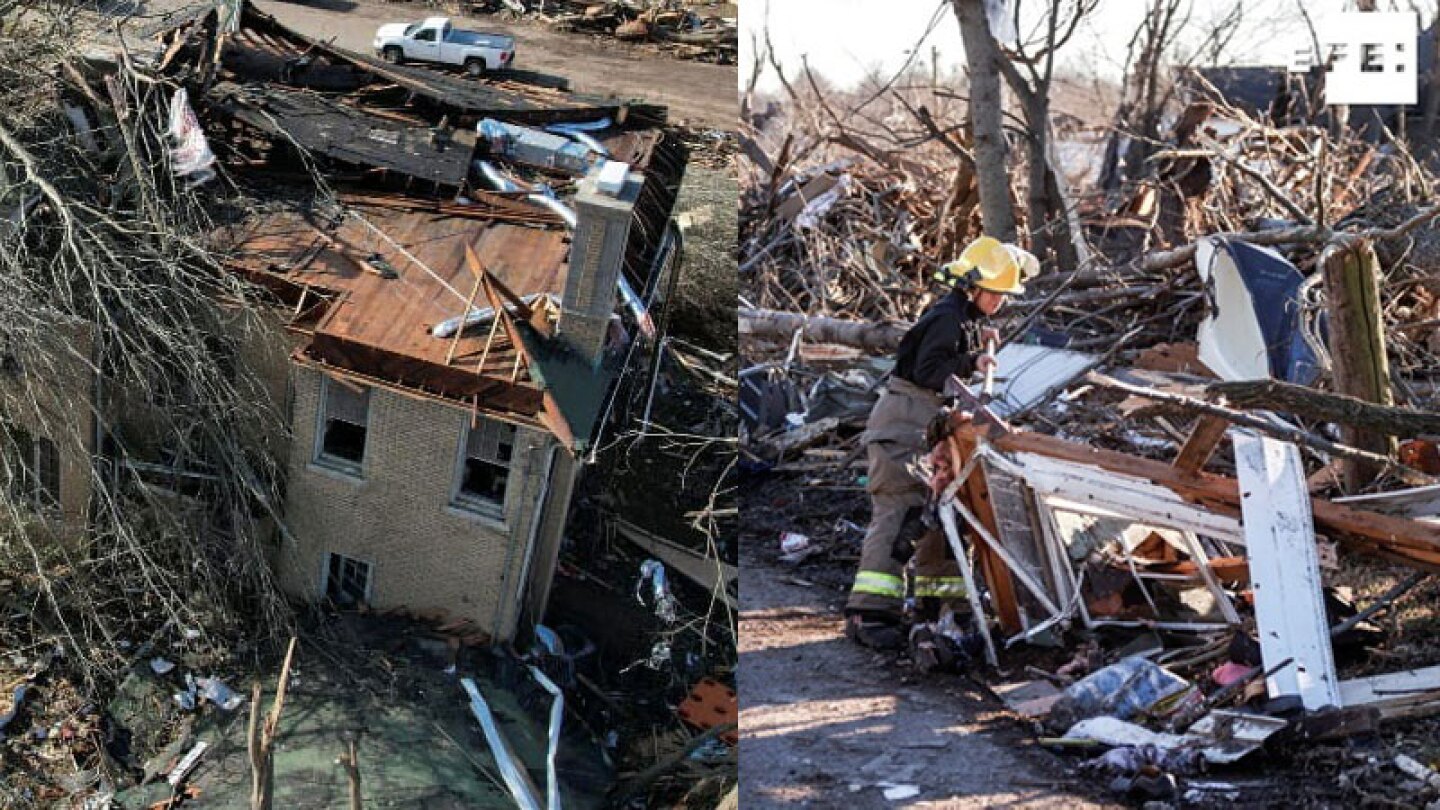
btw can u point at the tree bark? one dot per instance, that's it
(1040, 206)
(1357, 344)
(1274, 395)
(1424, 138)
(781, 326)
(986, 120)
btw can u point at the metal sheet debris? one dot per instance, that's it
(1285, 569)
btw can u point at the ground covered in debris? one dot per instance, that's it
(828, 723)
(1203, 545)
(822, 715)
(646, 664)
(696, 92)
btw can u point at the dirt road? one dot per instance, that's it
(697, 93)
(827, 724)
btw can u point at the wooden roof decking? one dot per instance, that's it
(380, 327)
(349, 134)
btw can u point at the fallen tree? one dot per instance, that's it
(769, 324)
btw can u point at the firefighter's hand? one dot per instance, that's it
(984, 363)
(937, 429)
(990, 335)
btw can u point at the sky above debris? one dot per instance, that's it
(845, 40)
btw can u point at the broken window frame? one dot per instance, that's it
(473, 431)
(36, 482)
(348, 567)
(322, 456)
(1058, 485)
(1403, 693)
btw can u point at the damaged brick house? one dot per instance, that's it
(444, 355)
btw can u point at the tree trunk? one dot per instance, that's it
(781, 326)
(1357, 344)
(1040, 207)
(986, 120)
(1423, 140)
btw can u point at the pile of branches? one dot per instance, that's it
(850, 201)
(119, 336)
(1290, 188)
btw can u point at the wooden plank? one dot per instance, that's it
(1082, 489)
(1407, 693)
(702, 569)
(464, 313)
(1419, 502)
(1285, 571)
(975, 492)
(1201, 444)
(1416, 543)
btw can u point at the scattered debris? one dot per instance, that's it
(686, 30)
(1197, 516)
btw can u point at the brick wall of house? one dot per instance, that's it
(425, 554)
(50, 397)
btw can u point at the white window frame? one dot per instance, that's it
(476, 505)
(325, 562)
(318, 456)
(32, 489)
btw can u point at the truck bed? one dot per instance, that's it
(459, 36)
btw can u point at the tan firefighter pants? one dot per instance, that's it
(895, 439)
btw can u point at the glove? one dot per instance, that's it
(939, 428)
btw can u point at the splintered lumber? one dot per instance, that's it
(1201, 443)
(1283, 397)
(975, 492)
(781, 326)
(1411, 542)
(1357, 345)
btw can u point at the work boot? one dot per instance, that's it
(875, 632)
(928, 651)
(934, 651)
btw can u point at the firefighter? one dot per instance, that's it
(950, 338)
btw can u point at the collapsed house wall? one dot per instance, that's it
(45, 403)
(399, 515)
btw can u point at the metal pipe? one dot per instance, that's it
(498, 179)
(561, 210)
(584, 126)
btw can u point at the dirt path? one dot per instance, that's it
(697, 93)
(824, 722)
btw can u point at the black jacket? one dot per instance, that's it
(944, 341)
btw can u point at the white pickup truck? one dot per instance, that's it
(435, 40)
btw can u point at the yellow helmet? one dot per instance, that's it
(989, 264)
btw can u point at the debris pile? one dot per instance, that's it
(1197, 510)
(848, 223)
(705, 31)
(184, 211)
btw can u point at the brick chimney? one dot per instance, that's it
(604, 208)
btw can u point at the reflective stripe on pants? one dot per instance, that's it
(940, 587)
(878, 583)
